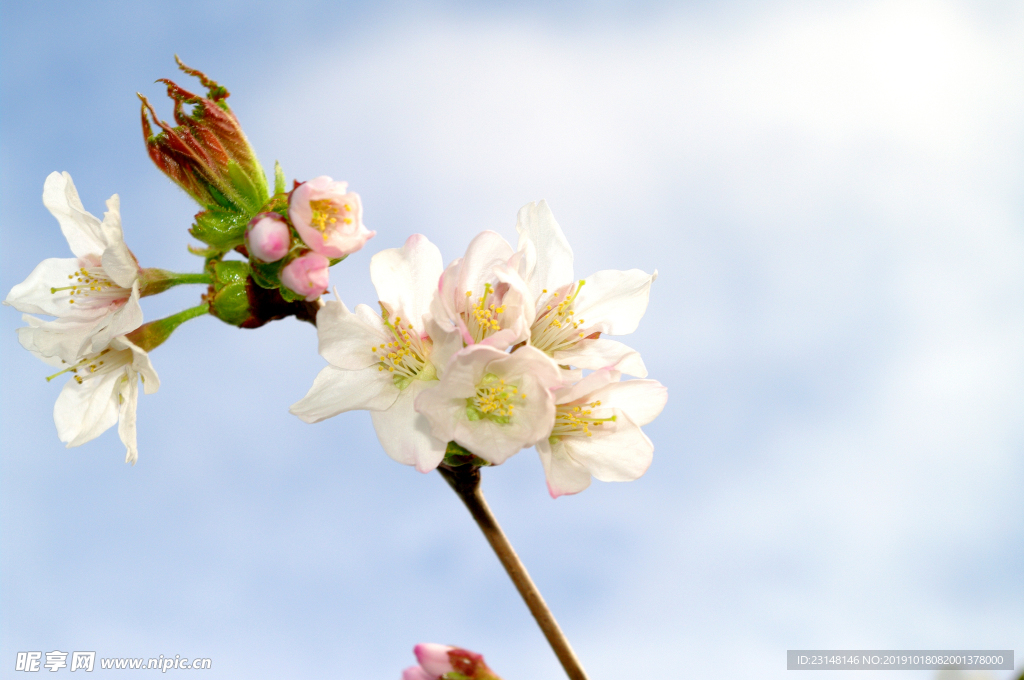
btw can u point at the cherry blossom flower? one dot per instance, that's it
(329, 220)
(597, 431)
(307, 275)
(268, 237)
(382, 362)
(94, 295)
(483, 297)
(493, 403)
(570, 314)
(104, 388)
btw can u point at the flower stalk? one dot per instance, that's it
(151, 335)
(465, 481)
(153, 281)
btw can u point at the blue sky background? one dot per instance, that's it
(832, 194)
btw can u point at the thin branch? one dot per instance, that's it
(465, 480)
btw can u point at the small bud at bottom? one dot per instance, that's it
(307, 275)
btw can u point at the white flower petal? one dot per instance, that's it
(405, 435)
(346, 337)
(122, 320)
(614, 301)
(547, 257)
(594, 354)
(33, 294)
(485, 252)
(335, 391)
(27, 338)
(81, 229)
(406, 278)
(141, 364)
(446, 342)
(118, 262)
(564, 475)
(620, 455)
(641, 400)
(128, 394)
(87, 410)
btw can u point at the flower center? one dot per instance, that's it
(96, 364)
(405, 356)
(484, 318)
(494, 400)
(326, 214)
(576, 420)
(92, 282)
(556, 326)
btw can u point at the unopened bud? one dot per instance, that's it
(416, 673)
(434, 658)
(443, 662)
(307, 276)
(268, 237)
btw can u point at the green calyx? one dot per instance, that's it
(153, 334)
(455, 456)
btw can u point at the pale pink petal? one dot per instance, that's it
(547, 257)
(335, 391)
(434, 658)
(621, 454)
(641, 400)
(405, 435)
(485, 252)
(417, 673)
(614, 301)
(594, 354)
(564, 475)
(406, 277)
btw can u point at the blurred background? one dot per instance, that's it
(833, 194)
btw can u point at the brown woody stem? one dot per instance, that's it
(465, 480)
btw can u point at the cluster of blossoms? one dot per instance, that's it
(497, 352)
(444, 662)
(97, 335)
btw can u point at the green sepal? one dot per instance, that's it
(267, 274)
(455, 455)
(290, 296)
(331, 261)
(221, 229)
(279, 184)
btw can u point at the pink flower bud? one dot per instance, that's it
(329, 220)
(416, 673)
(268, 237)
(307, 275)
(434, 658)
